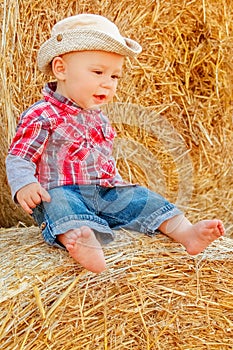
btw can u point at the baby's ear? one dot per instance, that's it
(58, 68)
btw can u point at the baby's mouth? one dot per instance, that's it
(100, 98)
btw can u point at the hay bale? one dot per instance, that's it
(10, 214)
(184, 73)
(153, 296)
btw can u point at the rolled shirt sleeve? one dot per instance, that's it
(15, 167)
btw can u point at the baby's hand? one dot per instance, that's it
(31, 195)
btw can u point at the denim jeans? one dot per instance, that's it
(103, 209)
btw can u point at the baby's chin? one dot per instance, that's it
(96, 103)
(97, 106)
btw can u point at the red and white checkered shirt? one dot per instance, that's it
(66, 144)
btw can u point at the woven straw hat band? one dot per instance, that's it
(84, 32)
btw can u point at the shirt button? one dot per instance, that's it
(43, 225)
(59, 37)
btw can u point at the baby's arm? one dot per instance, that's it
(31, 195)
(24, 154)
(25, 188)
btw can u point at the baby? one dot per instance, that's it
(60, 165)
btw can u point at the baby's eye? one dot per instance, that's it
(98, 72)
(115, 77)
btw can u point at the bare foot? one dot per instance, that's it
(197, 237)
(84, 248)
(202, 234)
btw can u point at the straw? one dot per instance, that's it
(184, 75)
(173, 117)
(153, 295)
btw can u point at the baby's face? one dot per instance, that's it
(90, 77)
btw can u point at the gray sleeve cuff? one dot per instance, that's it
(20, 172)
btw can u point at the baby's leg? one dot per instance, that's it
(84, 248)
(195, 238)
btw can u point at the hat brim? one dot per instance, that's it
(82, 40)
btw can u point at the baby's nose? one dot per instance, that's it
(107, 82)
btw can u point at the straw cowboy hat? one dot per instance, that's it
(84, 32)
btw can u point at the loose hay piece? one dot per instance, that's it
(153, 295)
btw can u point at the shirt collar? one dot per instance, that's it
(62, 102)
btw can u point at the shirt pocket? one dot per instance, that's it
(101, 135)
(71, 143)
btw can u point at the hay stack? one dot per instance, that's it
(184, 74)
(153, 296)
(175, 135)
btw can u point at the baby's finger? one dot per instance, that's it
(34, 200)
(26, 207)
(45, 196)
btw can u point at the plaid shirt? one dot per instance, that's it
(66, 144)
